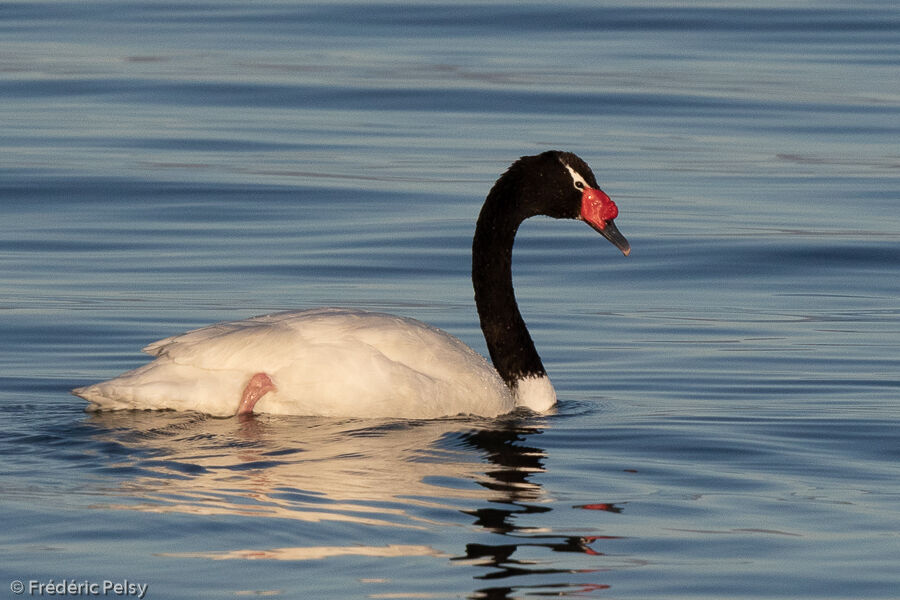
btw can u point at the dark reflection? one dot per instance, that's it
(553, 589)
(515, 461)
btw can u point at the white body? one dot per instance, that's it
(326, 362)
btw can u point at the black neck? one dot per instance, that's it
(511, 348)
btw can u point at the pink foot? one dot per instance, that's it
(258, 386)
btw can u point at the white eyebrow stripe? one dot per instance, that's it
(576, 178)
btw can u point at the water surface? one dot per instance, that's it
(728, 418)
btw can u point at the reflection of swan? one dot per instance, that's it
(343, 363)
(313, 552)
(307, 469)
(475, 482)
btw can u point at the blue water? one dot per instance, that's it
(729, 419)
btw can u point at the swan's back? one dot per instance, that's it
(329, 362)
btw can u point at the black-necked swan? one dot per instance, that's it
(352, 363)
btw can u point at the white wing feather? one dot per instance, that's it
(329, 362)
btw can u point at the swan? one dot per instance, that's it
(351, 363)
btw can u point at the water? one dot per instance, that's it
(728, 424)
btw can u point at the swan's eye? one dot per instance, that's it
(577, 180)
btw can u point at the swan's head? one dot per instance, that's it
(562, 186)
(594, 207)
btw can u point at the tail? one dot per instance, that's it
(164, 385)
(99, 398)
